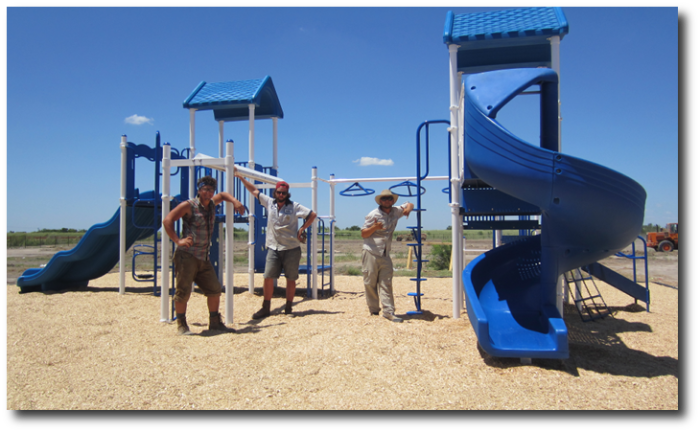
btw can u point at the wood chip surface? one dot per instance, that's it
(94, 349)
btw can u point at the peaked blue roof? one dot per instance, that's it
(230, 100)
(505, 25)
(504, 39)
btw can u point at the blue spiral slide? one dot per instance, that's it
(94, 256)
(589, 212)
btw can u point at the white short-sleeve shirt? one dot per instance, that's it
(282, 223)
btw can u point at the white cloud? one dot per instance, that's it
(366, 161)
(138, 120)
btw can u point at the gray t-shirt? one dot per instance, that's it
(282, 223)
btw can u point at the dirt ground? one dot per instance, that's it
(94, 349)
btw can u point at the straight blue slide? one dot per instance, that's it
(94, 256)
(589, 212)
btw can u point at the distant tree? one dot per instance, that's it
(354, 228)
(449, 228)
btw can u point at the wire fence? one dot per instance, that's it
(30, 240)
(27, 240)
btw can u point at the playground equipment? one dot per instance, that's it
(577, 199)
(513, 293)
(355, 190)
(137, 218)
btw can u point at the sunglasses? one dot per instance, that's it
(283, 193)
(386, 199)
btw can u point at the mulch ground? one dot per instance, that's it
(97, 350)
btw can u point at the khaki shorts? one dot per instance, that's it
(287, 260)
(189, 269)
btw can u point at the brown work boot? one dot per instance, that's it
(264, 311)
(182, 328)
(288, 308)
(215, 323)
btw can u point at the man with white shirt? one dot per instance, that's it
(283, 241)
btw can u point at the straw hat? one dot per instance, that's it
(385, 192)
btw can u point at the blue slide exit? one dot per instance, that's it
(589, 212)
(94, 256)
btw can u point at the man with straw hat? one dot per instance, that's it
(377, 267)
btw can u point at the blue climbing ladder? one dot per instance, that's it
(417, 230)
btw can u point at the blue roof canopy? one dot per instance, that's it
(513, 38)
(230, 100)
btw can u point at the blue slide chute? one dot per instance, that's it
(589, 212)
(94, 256)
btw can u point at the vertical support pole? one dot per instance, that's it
(229, 234)
(314, 233)
(332, 216)
(455, 183)
(554, 44)
(218, 175)
(251, 200)
(460, 147)
(165, 243)
(156, 227)
(274, 144)
(122, 218)
(192, 153)
(219, 180)
(554, 41)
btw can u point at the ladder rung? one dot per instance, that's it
(415, 294)
(587, 298)
(579, 280)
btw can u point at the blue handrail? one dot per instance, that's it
(634, 259)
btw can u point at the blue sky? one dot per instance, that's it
(354, 83)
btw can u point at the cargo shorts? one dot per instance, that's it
(287, 260)
(189, 269)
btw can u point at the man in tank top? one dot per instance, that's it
(191, 258)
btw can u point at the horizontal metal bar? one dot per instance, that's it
(382, 179)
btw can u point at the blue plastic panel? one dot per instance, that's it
(230, 100)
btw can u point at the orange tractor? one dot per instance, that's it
(664, 241)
